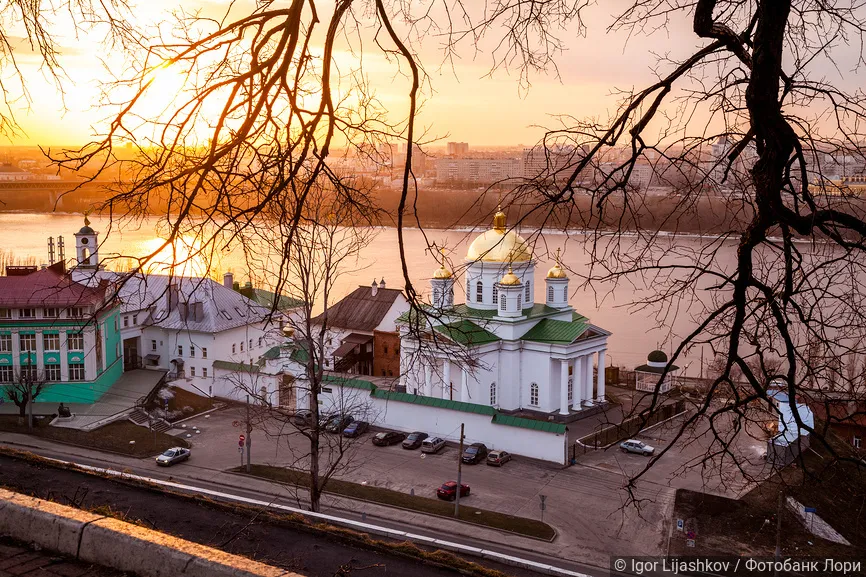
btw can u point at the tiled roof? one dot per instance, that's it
(467, 333)
(546, 426)
(222, 308)
(557, 332)
(435, 402)
(360, 310)
(47, 287)
(237, 367)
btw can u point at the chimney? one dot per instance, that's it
(375, 287)
(382, 283)
(43, 266)
(184, 311)
(171, 296)
(228, 280)
(198, 311)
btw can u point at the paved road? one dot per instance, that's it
(587, 503)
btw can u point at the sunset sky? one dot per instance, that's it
(465, 105)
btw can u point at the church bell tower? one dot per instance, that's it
(87, 247)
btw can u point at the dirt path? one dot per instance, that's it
(307, 553)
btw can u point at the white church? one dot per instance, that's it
(500, 348)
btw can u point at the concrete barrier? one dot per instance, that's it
(113, 543)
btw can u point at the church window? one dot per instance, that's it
(519, 303)
(502, 304)
(564, 294)
(570, 387)
(234, 348)
(495, 294)
(468, 290)
(493, 393)
(180, 350)
(533, 394)
(437, 295)
(550, 293)
(528, 293)
(479, 292)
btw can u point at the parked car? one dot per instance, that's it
(356, 428)
(389, 438)
(635, 446)
(474, 453)
(172, 456)
(432, 445)
(498, 458)
(303, 419)
(448, 490)
(338, 423)
(414, 440)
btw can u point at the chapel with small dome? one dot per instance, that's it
(501, 348)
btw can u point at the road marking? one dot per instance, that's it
(365, 527)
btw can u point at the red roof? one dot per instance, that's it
(47, 287)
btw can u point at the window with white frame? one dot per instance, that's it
(242, 346)
(6, 343)
(204, 352)
(76, 371)
(570, 387)
(251, 345)
(52, 313)
(519, 302)
(134, 319)
(495, 295)
(27, 342)
(125, 322)
(493, 393)
(153, 344)
(192, 371)
(75, 341)
(234, 348)
(502, 303)
(180, 350)
(204, 372)
(533, 394)
(51, 341)
(528, 297)
(6, 374)
(479, 292)
(550, 293)
(52, 373)
(76, 312)
(26, 313)
(192, 351)
(28, 373)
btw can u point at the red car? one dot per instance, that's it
(448, 490)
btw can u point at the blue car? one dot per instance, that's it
(355, 428)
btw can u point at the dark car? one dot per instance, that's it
(414, 440)
(448, 490)
(474, 453)
(356, 428)
(303, 419)
(498, 458)
(389, 438)
(172, 456)
(338, 423)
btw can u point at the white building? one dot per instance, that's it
(476, 170)
(501, 349)
(185, 325)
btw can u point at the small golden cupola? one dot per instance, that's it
(442, 286)
(557, 271)
(442, 272)
(510, 279)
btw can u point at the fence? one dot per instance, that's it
(628, 428)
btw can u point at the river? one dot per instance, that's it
(635, 333)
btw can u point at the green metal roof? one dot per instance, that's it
(239, 367)
(545, 426)
(353, 383)
(272, 353)
(435, 402)
(467, 333)
(300, 355)
(557, 332)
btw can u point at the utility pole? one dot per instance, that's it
(459, 473)
(779, 532)
(249, 436)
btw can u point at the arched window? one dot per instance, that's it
(479, 292)
(519, 304)
(495, 294)
(550, 293)
(468, 291)
(528, 297)
(533, 394)
(565, 294)
(570, 387)
(493, 393)
(502, 304)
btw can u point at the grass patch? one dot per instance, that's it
(519, 525)
(112, 437)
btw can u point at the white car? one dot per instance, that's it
(635, 446)
(172, 456)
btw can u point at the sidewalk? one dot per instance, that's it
(565, 547)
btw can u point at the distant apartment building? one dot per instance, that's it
(555, 162)
(476, 170)
(60, 332)
(458, 148)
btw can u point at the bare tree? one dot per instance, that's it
(24, 390)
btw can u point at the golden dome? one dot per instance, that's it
(499, 244)
(556, 271)
(442, 273)
(510, 279)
